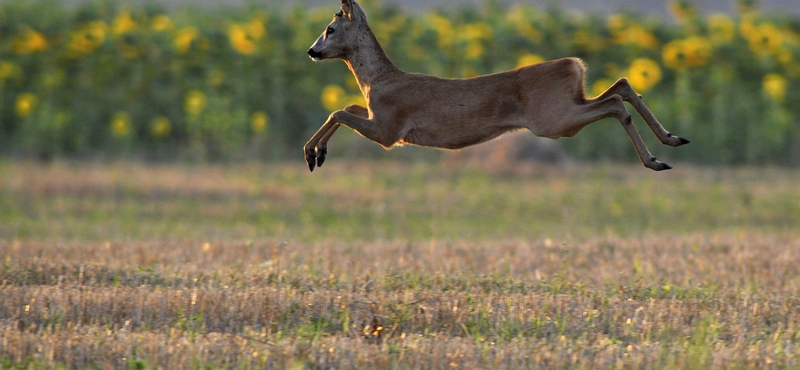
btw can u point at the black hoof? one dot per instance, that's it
(660, 166)
(321, 153)
(311, 161)
(681, 141)
(656, 165)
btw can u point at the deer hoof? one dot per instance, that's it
(656, 165)
(321, 153)
(673, 140)
(311, 159)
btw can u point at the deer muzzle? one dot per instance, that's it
(314, 54)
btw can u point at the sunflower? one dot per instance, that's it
(255, 28)
(241, 39)
(600, 86)
(195, 102)
(87, 38)
(444, 29)
(529, 59)
(520, 18)
(698, 51)
(184, 39)
(25, 104)
(160, 127)
(121, 124)
(333, 97)
(674, 55)
(475, 34)
(477, 31)
(694, 51)
(643, 74)
(617, 23)
(259, 121)
(682, 10)
(589, 41)
(124, 23)
(161, 23)
(721, 29)
(355, 99)
(635, 34)
(474, 50)
(774, 86)
(30, 41)
(764, 39)
(9, 71)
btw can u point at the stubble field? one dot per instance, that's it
(386, 265)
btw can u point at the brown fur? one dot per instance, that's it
(546, 98)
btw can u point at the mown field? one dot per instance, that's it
(125, 79)
(388, 265)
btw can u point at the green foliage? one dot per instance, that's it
(224, 83)
(137, 364)
(192, 324)
(28, 363)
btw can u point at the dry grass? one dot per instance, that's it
(687, 295)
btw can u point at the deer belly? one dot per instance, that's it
(451, 138)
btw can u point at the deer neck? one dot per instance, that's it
(369, 62)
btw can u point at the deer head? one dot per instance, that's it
(342, 34)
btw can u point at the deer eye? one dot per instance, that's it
(329, 31)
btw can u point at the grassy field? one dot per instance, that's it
(139, 80)
(387, 265)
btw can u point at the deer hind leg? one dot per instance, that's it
(616, 108)
(605, 107)
(624, 89)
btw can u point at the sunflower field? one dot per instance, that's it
(214, 83)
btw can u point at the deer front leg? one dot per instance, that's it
(322, 144)
(364, 126)
(310, 148)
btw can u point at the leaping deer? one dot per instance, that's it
(547, 98)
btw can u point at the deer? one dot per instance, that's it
(547, 98)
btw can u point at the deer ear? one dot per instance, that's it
(347, 8)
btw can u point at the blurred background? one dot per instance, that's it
(230, 81)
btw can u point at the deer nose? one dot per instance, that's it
(314, 54)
